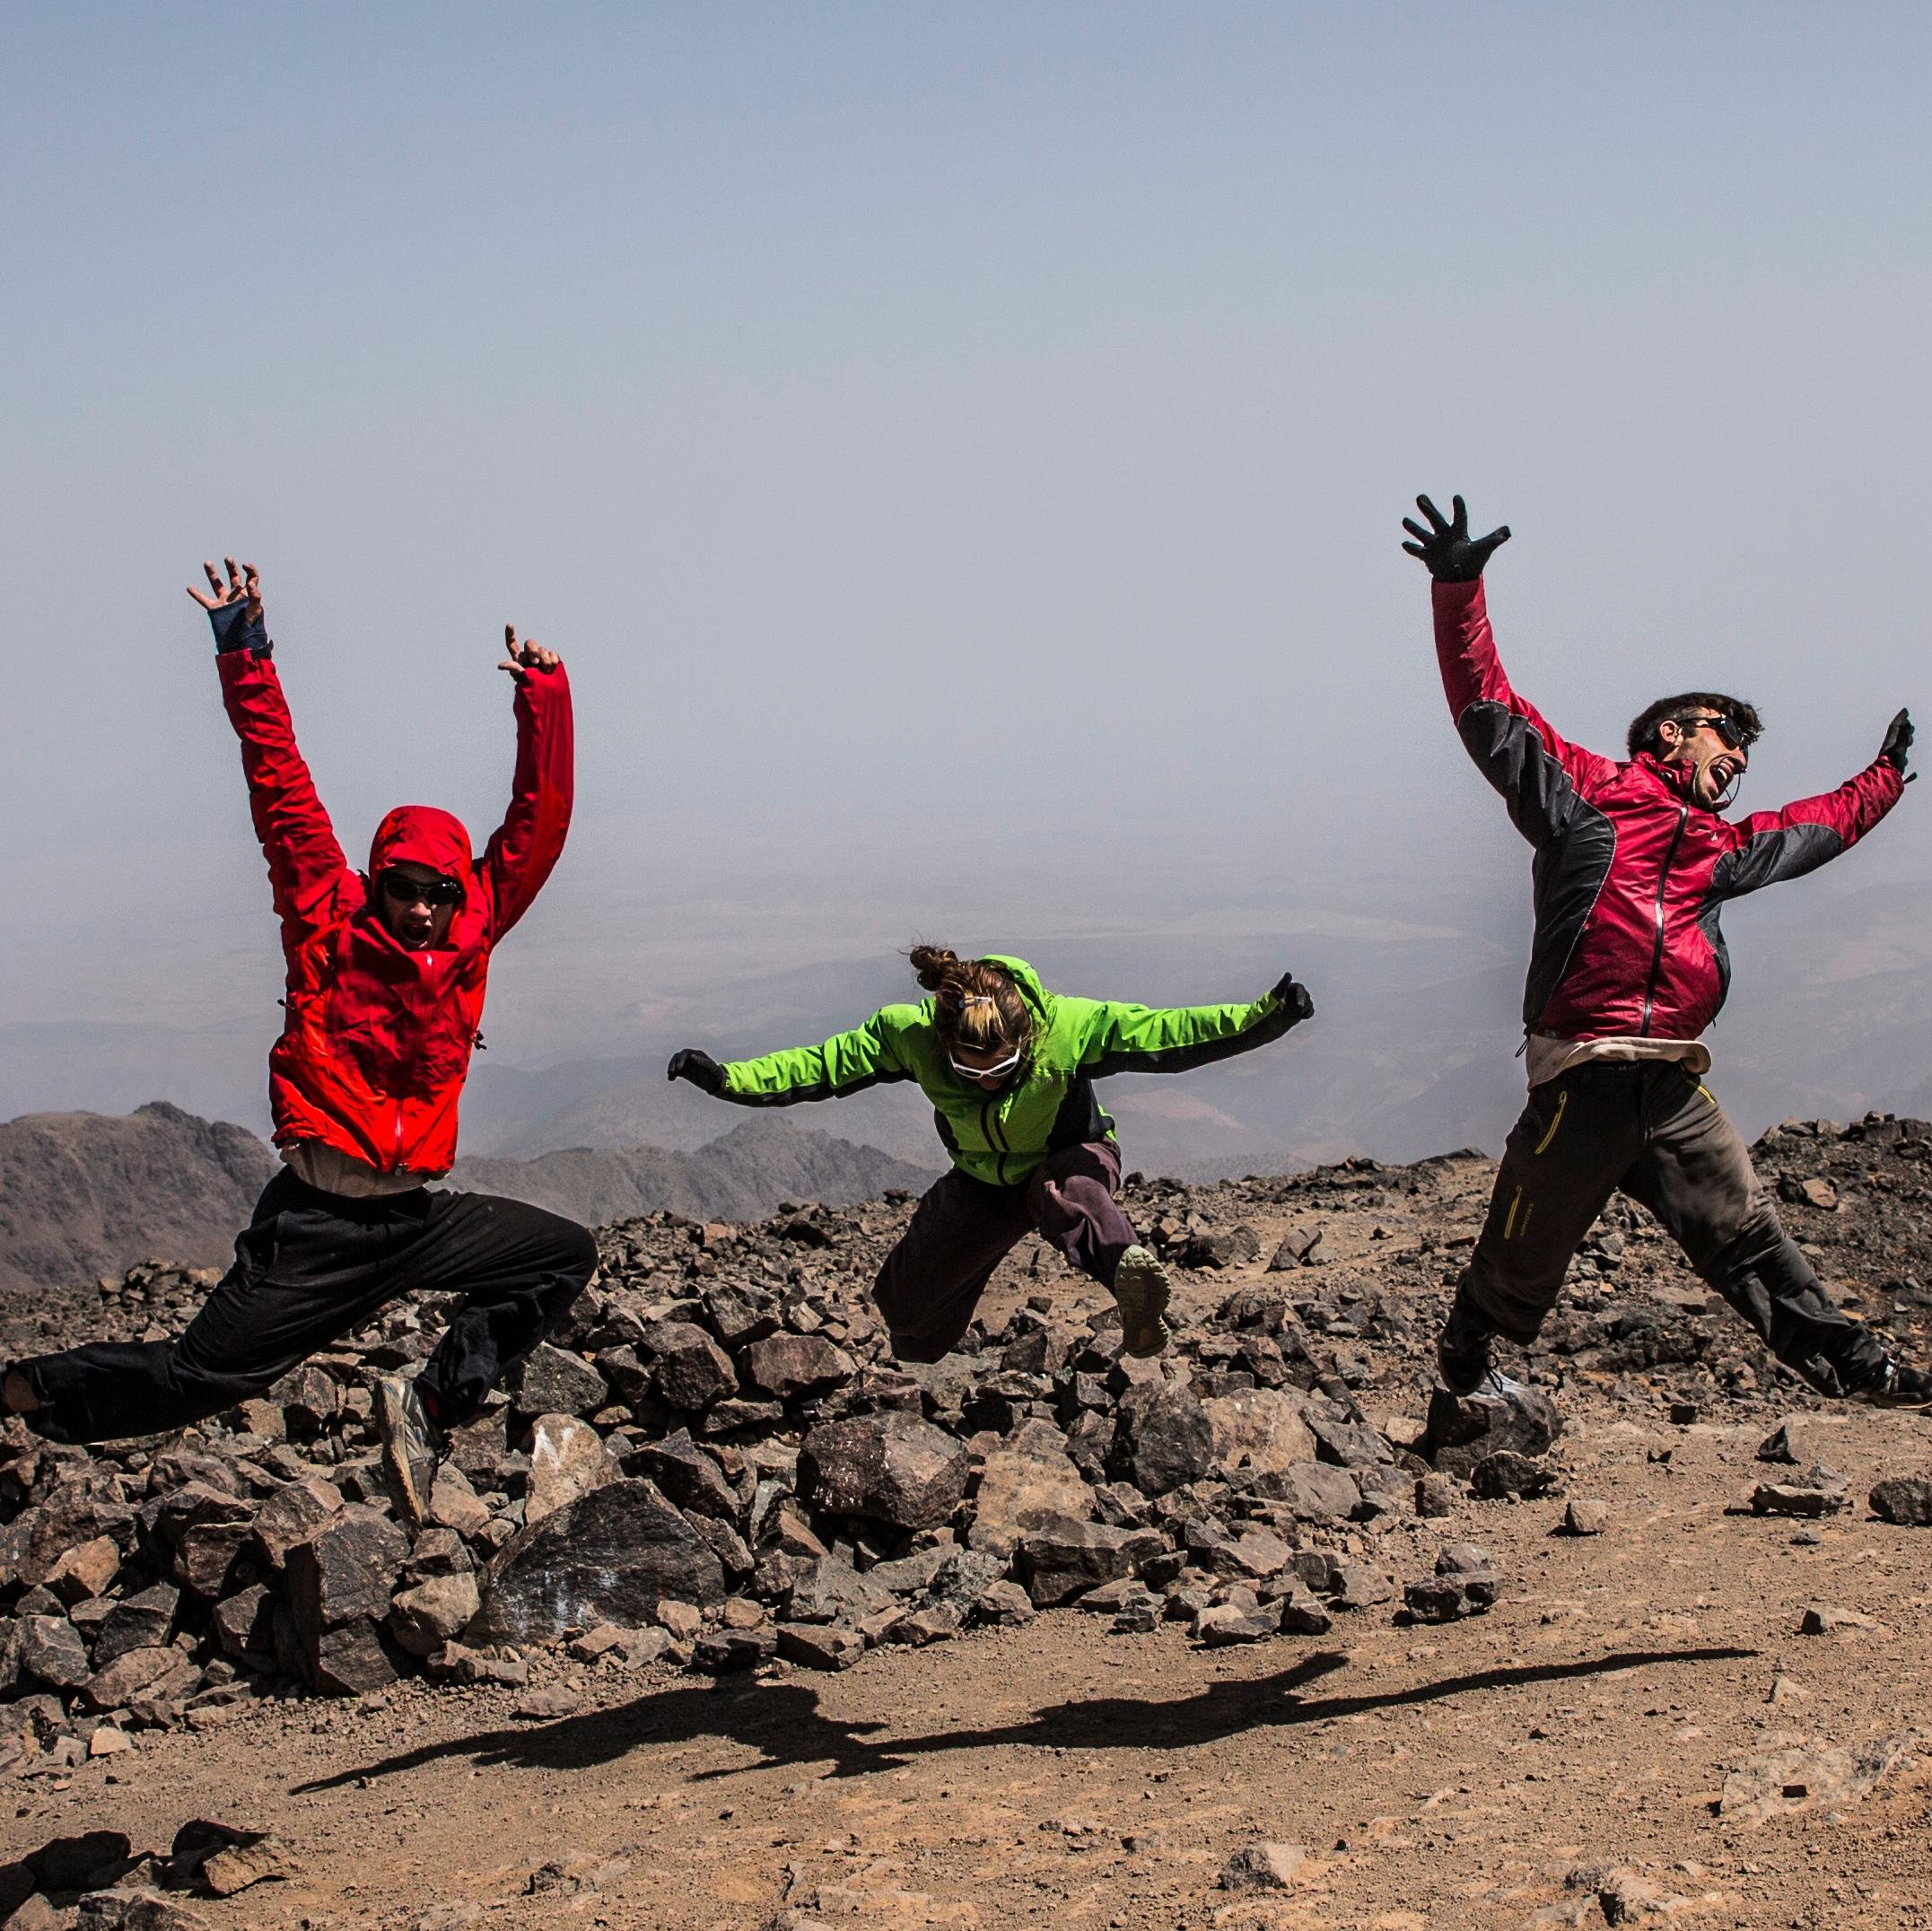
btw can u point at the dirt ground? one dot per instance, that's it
(1559, 1760)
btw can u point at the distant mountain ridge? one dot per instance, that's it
(741, 1175)
(84, 1194)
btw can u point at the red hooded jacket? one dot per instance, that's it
(1631, 871)
(373, 1054)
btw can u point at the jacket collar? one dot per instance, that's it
(1675, 778)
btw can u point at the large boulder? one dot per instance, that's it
(1027, 1481)
(52, 1652)
(424, 1616)
(80, 1508)
(784, 1365)
(889, 1468)
(158, 1672)
(293, 1513)
(1164, 1438)
(567, 1459)
(339, 1585)
(552, 1381)
(1063, 1558)
(1316, 1491)
(608, 1557)
(692, 1370)
(1465, 1428)
(135, 1621)
(1259, 1429)
(685, 1473)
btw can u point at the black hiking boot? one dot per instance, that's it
(1896, 1386)
(1462, 1351)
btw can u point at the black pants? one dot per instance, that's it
(312, 1267)
(1653, 1130)
(962, 1228)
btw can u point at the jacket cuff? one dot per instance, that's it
(1456, 596)
(233, 632)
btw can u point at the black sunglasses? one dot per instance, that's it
(1730, 733)
(407, 891)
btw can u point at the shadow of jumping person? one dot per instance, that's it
(782, 1722)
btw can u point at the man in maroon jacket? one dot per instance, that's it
(386, 976)
(1628, 967)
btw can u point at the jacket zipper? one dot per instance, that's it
(1657, 951)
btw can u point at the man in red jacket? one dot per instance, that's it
(386, 974)
(1634, 864)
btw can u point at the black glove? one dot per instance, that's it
(233, 632)
(1898, 744)
(1452, 555)
(699, 1068)
(1295, 997)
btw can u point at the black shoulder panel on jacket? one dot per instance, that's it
(1510, 753)
(1773, 857)
(1566, 876)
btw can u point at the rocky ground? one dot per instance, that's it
(725, 1620)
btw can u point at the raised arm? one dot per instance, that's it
(1144, 1039)
(1539, 773)
(847, 1063)
(307, 873)
(524, 849)
(1776, 845)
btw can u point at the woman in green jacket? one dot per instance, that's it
(1010, 1068)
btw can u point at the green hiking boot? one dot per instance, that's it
(1141, 1290)
(411, 1444)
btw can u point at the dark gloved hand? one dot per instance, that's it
(1452, 555)
(1898, 744)
(699, 1068)
(235, 630)
(1295, 996)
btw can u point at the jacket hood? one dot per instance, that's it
(421, 834)
(1024, 976)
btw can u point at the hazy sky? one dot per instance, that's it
(959, 444)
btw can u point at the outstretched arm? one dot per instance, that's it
(1776, 845)
(848, 1062)
(306, 872)
(1174, 1039)
(1539, 773)
(524, 850)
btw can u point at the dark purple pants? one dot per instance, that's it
(962, 1228)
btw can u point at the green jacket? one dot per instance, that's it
(1002, 1137)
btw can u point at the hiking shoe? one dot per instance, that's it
(1897, 1386)
(411, 1444)
(1463, 1351)
(1141, 1290)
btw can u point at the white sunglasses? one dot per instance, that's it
(985, 1072)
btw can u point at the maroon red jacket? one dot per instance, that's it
(373, 1054)
(1630, 872)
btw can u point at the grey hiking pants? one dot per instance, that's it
(1651, 1129)
(962, 1228)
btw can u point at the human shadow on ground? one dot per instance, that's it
(783, 1723)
